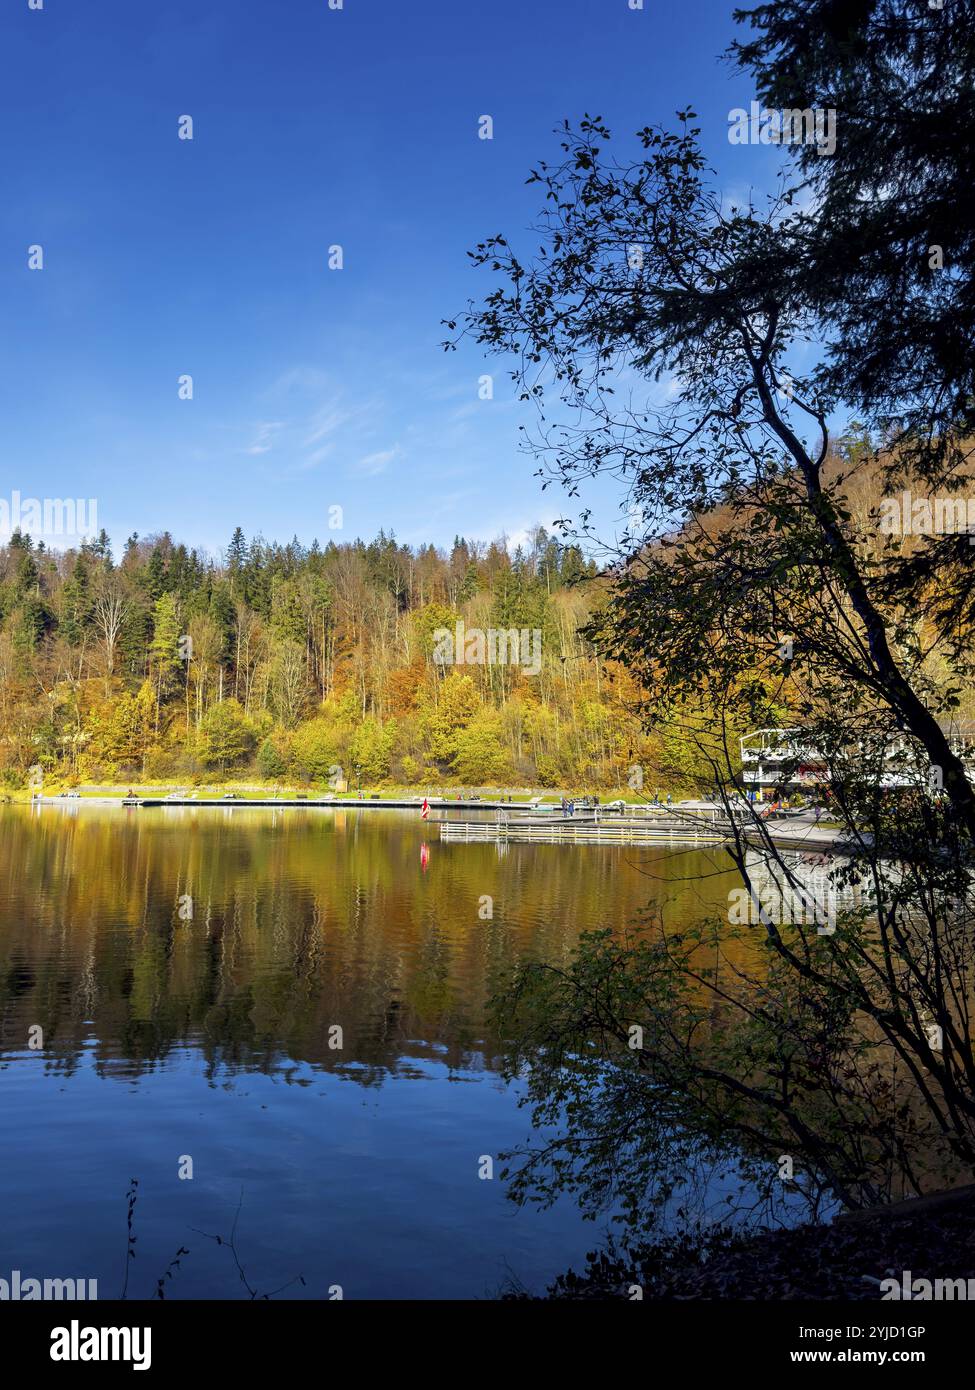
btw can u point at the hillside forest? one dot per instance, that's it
(308, 665)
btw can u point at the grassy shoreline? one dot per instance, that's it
(257, 791)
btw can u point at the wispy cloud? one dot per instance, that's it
(372, 464)
(264, 437)
(320, 423)
(297, 381)
(316, 457)
(325, 423)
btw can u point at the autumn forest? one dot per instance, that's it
(306, 665)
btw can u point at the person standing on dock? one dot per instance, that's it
(425, 810)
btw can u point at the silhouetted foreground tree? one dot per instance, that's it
(660, 333)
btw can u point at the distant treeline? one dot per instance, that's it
(291, 662)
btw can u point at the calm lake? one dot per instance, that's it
(189, 967)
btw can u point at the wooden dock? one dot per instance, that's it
(692, 823)
(583, 830)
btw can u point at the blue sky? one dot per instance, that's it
(312, 127)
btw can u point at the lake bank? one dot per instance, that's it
(915, 1250)
(591, 820)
